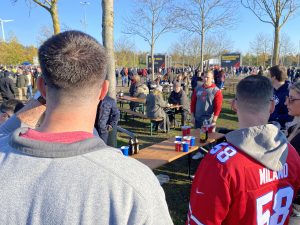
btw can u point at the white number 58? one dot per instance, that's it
(282, 202)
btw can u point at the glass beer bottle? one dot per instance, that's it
(203, 135)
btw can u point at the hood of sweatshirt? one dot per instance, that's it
(265, 143)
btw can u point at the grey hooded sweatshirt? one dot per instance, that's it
(85, 182)
(265, 143)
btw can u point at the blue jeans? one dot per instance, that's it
(124, 80)
(29, 92)
(221, 84)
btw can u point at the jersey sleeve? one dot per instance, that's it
(210, 194)
(218, 103)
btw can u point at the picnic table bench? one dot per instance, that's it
(152, 121)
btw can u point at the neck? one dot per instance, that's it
(278, 84)
(207, 84)
(63, 119)
(248, 120)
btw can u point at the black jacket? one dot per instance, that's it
(7, 88)
(280, 113)
(107, 114)
(179, 98)
(22, 81)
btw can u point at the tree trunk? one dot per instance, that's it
(275, 59)
(108, 43)
(201, 50)
(152, 50)
(202, 40)
(54, 16)
(182, 62)
(152, 62)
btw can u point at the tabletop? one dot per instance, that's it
(164, 152)
(131, 99)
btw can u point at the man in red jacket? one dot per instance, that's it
(253, 177)
(206, 104)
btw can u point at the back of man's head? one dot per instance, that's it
(254, 94)
(279, 73)
(72, 62)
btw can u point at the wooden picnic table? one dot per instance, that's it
(164, 152)
(127, 98)
(131, 99)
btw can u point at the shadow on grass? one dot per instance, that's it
(178, 189)
(228, 117)
(228, 95)
(227, 111)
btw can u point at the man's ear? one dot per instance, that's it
(41, 85)
(272, 107)
(104, 90)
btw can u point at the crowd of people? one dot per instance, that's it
(18, 81)
(55, 170)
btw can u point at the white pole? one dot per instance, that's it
(2, 27)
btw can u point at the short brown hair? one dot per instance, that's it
(72, 60)
(279, 72)
(254, 93)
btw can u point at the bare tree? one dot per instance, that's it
(44, 33)
(51, 7)
(125, 52)
(202, 16)
(286, 47)
(216, 45)
(149, 20)
(180, 48)
(193, 49)
(261, 47)
(108, 42)
(274, 12)
(248, 59)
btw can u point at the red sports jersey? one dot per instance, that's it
(231, 188)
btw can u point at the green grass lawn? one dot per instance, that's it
(178, 189)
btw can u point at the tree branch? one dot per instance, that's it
(43, 5)
(255, 13)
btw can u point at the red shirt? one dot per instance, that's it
(231, 188)
(65, 137)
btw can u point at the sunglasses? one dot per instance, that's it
(291, 100)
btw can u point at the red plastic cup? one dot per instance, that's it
(177, 146)
(184, 130)
(210, 128)
(188, 130)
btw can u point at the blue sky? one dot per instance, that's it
(28, 23)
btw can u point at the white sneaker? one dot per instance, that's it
(198, 155)
(162, 178)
